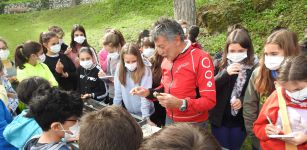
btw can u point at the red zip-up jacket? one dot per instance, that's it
(190, 76)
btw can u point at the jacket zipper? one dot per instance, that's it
(170, 85)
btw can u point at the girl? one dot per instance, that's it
(9, 66)
(278, 46)
(60, 65)
(131, 73)
(113, 41)
(60, 33)
(11, 93)
(147, 47)
(285, 111)
(158, 117)
(232, 74)
(29, 58)
(90, 86)
(78, 40)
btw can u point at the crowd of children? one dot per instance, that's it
(43, 91)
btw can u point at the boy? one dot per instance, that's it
(111, 128)
(57, 113)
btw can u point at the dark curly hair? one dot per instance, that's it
(50, 105)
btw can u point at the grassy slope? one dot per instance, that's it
(128, 16)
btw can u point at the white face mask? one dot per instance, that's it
(73, 129)
(148, 52)
(131, 67)
(298, 95)
(113, 55)
(4, 54)
(55, 48)
(79, 39)
(273, 62)
(87, 64)
(236, 57)
(42, 57)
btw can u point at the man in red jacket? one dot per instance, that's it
(187, 88)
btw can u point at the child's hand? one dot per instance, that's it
(85, 96)
(11, 95)
(236, 104)
(299, 138)
(59, 67)
(148, 121)
(68, 50)
(234, 68)
(101, 73)
(271, 129)
(140, 91)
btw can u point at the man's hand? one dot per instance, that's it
(169, 101)
(299, 138)
(140, 91)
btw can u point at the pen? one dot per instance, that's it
(268, 118)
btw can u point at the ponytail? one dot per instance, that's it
(23, 53)
(114, 37)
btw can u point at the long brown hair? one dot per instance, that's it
(239, 36)
(73, 44)
(136, 75)
(156, 61)
(288, 42)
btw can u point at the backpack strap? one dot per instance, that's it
(285, 118)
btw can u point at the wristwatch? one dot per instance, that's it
(184, 105)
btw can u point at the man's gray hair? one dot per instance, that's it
(167, 28)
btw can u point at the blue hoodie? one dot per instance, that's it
(21, 129)
(5, 118)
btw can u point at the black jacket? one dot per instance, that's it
(89, 83)
(69, 83)
(221, 113)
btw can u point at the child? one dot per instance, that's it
(22, 129)
(131, 72)
(5, 119)
(192, 36)
(78, 40)
(113, 41)
(280, 45)
(29, 57)
(57, 113)
(59, 64)
(90, 86)
(10, 69)
(181, 136)
(11, 94)
(111, 128)
(232, 74)
(60, 33)
(285, 111)
(147, 47)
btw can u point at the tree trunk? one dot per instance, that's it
(74, 2)
(185, 10)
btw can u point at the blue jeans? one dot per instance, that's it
(230, 138)
(169, 121)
